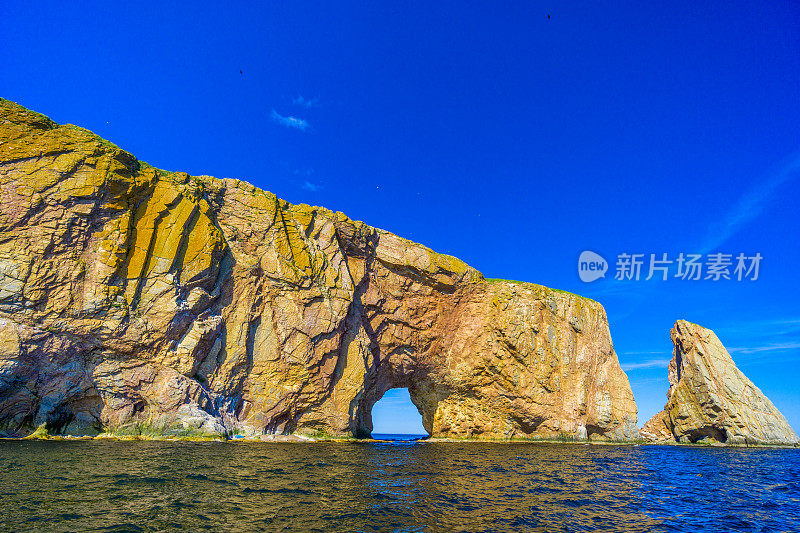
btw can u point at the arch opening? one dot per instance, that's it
(395, 417)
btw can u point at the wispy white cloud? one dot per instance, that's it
(652, 363)
(770, 326)
(639, 382)
(313, 187)
(613, 287)
(774, 347)
(305, 102)
(768, 340)
(751, 204)
(771, 353)
(290, 121)
(760, 340)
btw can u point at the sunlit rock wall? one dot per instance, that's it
(134, 300)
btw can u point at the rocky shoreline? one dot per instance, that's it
(302, 439)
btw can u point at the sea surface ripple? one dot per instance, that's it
(400, 486)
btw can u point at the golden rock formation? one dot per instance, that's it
(134, 300)
(710, 400)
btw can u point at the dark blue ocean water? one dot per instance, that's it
(399, 486)
(397, 437)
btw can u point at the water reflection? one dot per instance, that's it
(150, 486)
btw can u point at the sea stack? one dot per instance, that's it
(710, 400)
(139, 301)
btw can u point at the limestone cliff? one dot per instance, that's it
(143, 301)
(710, 400)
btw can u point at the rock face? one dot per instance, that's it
(143, 301)
(710, 400)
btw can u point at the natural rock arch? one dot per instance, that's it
(141, 298)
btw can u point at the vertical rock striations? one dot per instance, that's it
(134, 300)
(710, 400)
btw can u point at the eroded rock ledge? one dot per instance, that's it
(710, 400)
(139, 301)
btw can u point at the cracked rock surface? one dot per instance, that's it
(139, 301)
(710, 400)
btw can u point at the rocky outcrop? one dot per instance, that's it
(710, 400)
(143, 301)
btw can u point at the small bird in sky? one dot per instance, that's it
(240, 72)
(548, 16)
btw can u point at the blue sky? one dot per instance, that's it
(509, 139)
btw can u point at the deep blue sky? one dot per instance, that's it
(491, 133)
